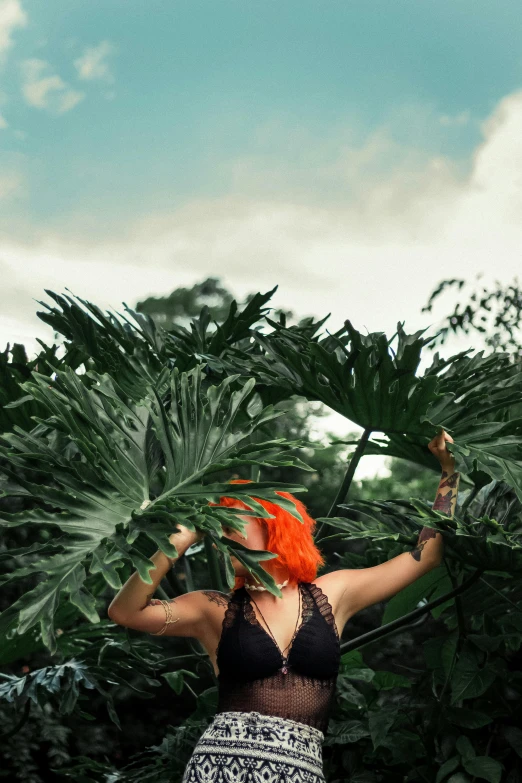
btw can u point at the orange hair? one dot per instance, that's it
(290, 539)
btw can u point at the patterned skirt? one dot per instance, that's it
(247, 747)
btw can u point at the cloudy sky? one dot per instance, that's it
(355, 153)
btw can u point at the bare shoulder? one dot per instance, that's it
(331, 587)
(333, 584)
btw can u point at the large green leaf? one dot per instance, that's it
(12, 374)
(471, 677)
(131, 469)
(474, 398)
(346, 732)
(478, 405)
(408, 599)
(484, 767)
(134, 348)
(359, 376)
(106, 342)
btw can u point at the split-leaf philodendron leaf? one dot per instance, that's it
(362, 377)
(98, 455)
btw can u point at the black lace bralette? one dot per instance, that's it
(251, 672)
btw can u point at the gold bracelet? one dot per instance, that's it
(168, 617)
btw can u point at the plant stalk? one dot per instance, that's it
(162, 593)
(345, 486)
(471, 496)
(213, 565)
(189, 581)
(461, 620)
(174, 582)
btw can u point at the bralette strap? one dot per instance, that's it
(323, 605)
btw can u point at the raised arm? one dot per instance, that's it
(445, 500)
(353, 589)
(134, 607)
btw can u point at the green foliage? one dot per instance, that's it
(138, 427)
(93, 659)
(161, 763)
(103, 456)
(494, 545)
(357, 375)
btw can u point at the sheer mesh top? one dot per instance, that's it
(251, 673)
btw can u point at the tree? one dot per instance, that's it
(492, 312)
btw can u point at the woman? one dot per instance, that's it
(276, 659)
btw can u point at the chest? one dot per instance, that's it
(249, 651)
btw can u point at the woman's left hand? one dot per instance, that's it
(438, 448)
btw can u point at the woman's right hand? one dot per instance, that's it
(438, 448)
(186, 536)
(131, 599)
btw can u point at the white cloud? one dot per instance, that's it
(47, 91)
(365, 235)
(91, 65)
(456, 119)
(3, 122)
(12, 15)
(362, 230)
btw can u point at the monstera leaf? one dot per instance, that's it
(359, 376)
(477, 397)
(365, 379)
(126, 349)
(213, 345)
(134, 348)
(12, 374)
(481, 396)
(112, 470)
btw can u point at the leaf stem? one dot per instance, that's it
(213, 565)
(501, 594)
(461, 620)
(162, 593)
(345, 486)
(189, 581)
(174, 582)
(472, 494)
(21, 722)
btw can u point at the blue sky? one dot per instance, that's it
(186, 86)
(353, 153)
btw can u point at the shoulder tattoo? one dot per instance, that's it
(215, 597)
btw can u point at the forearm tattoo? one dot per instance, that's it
(445, 503)
(424, 536)
(215, 597)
